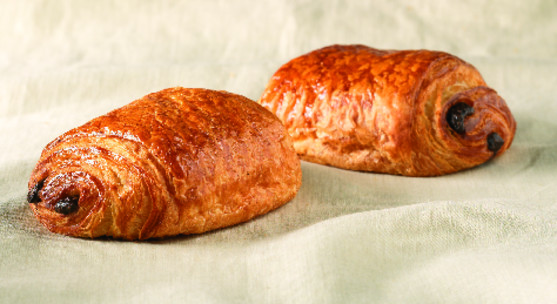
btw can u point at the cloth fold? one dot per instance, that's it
(485, 235)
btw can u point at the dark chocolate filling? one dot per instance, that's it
(494, 142)
(33, 194)
(456, 115)
(67, 205)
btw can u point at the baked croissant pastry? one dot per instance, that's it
(413, 113)
(178, 161)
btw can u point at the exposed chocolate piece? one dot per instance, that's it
(494, 142)
(456, 115)
(67, 205)
(33, 194)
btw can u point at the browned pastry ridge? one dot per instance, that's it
(178, 161)
(413, 113)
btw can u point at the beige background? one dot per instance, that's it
(486, 235)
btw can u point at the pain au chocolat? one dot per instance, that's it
(413, 112)
(178, 161)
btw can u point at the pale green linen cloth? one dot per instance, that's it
(486, 235)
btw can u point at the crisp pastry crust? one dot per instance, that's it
(178, 161)
(413, 113)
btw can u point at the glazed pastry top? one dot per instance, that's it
(177, 161)
(360, 108)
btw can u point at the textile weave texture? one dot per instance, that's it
(484, 235)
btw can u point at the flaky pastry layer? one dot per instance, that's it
(413, 113)
(178, 161)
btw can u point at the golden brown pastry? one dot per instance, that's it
(414, 113)
(178, 161)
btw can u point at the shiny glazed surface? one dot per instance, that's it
(178, 161)
(359, 108)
